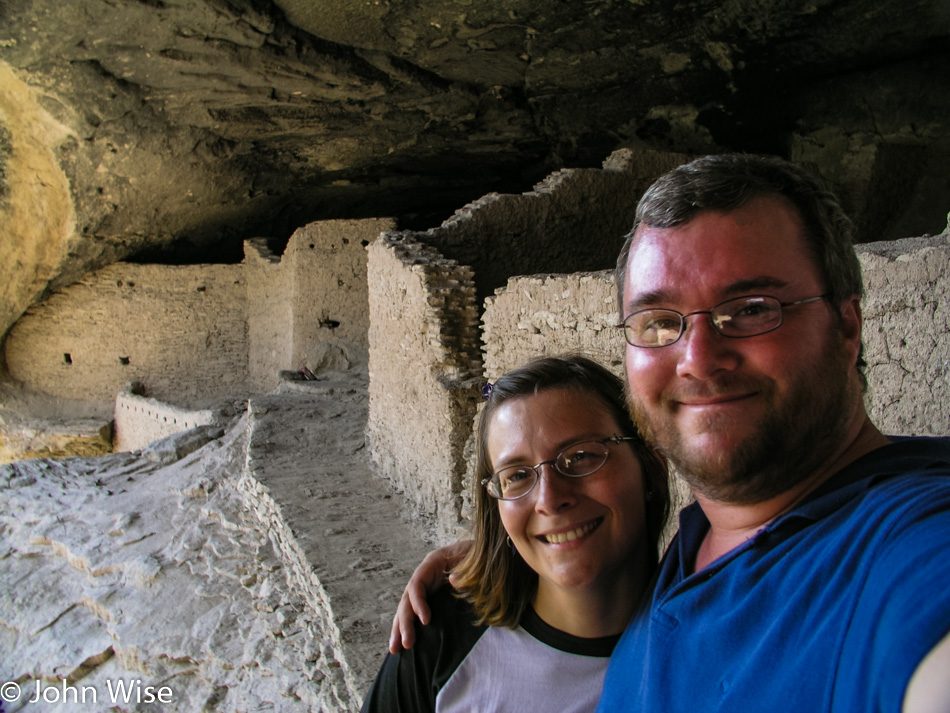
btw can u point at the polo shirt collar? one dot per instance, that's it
(901, 456)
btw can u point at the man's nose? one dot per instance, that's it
(703, 351)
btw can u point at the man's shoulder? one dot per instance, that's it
(903, 456)
(927, 449)
(897, 492)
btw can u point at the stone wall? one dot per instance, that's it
(572, 221)
(197, 332)
(309, 307)
(330, 305)
(907, 334)
(552, 314)
(178, 329)
(424, 370)
(140, 420)
(269, 316)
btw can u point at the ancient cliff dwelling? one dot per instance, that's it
(257, 258)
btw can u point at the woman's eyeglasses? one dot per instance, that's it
(575, 461)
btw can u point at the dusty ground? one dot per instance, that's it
(33, 424)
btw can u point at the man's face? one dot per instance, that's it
(743, 419)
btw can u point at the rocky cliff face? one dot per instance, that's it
(173, 130)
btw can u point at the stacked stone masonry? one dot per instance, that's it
(423, 371)
(570, 222)
(181, 330)
(907, 334)
(192, 333)
(140, 420)
(906, 328)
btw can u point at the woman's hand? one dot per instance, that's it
(431, 574)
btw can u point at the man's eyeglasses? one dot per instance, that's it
(736, 318)
(575, 461)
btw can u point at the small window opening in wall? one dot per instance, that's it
(312, 246)
(329, 323)
(124, 361)
(67, 358)
(202, 288)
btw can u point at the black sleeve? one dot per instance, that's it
(410, 681)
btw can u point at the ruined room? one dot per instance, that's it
(257, 258)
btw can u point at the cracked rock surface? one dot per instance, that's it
(131, 568)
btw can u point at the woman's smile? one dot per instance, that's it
(572, 534)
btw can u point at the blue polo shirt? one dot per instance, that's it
(830, 607)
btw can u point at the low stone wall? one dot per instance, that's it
(424, 374)
(140, 420)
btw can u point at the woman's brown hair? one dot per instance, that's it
(496, 581)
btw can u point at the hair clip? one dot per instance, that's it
(487, 390)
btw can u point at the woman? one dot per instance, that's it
(569, 507)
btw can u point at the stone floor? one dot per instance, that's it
(249, 568)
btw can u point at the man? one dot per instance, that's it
(809, 574)
(814, 543)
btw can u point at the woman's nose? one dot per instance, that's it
(555, 491)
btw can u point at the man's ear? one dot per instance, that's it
(851, 324)
(851, 318)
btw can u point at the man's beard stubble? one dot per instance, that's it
(788, 445)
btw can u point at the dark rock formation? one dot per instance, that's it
(172, 130)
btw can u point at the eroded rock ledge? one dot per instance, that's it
(242, 577)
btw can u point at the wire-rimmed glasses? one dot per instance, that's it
(736, 318)
(575, 461)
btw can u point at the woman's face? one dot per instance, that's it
(576, 533)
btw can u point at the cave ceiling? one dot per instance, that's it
(175, 129)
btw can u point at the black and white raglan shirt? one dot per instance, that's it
(456, 665)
